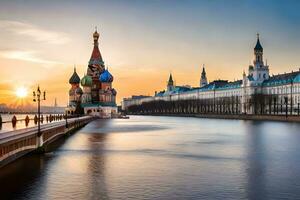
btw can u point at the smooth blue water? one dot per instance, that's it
(148, 157)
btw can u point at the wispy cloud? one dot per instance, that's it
(29, 56)
(37, 33)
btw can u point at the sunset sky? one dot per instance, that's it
(141, 42)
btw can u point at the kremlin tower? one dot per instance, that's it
(170, 85)
(203, 79)
(98, 97)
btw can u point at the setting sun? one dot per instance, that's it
(21, 92)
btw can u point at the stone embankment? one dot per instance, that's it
(283, 118)
(14, 144)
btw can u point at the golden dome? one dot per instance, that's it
(96, 34)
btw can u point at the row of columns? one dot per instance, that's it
(213, 106)
(256, 104)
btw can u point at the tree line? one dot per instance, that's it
(259, 104)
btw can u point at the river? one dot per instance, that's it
(147, 157)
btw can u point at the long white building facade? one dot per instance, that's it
(256, 93)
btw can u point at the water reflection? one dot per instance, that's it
(96, 167)
(256, 161)
(163, 158)
(21, 177)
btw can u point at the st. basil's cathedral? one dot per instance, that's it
(97, 96)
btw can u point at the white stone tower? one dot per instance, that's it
(258, 72)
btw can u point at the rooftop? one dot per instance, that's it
(281, 79)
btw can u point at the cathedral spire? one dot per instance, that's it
(170, 84)
(203, 79)
(258, 46)
(96, 58)
(258, 53)
(203, 74)
(259, 71)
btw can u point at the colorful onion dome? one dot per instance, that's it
(86, 81)
(74, 78)
(106, 77)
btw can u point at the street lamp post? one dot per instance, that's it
(37, 98)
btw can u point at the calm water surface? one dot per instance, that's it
(163, 158)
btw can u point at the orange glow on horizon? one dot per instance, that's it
(140, 63)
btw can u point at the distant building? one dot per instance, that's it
(97, 96)
(131, 100)
(170, 85)
(256, 93)
(203, 79)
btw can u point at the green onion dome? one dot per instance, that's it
(86, 81)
